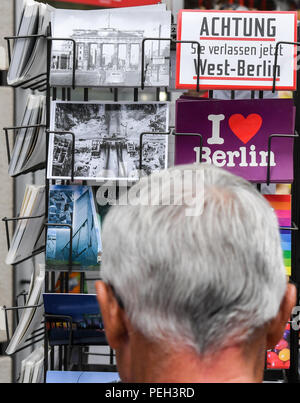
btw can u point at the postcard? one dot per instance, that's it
(77, 313)
(74, 207)
(109, 47)
(107, 140)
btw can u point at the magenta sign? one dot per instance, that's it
(236, 136)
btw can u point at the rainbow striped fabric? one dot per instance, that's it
(282, 205)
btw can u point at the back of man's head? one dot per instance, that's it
(205, 272)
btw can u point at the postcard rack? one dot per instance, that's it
(35, 252)
(36, 336)
(42, 83)
(14, 131)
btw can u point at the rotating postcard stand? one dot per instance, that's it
(292, 374)
(42, 83)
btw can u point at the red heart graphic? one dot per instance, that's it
(245, 128)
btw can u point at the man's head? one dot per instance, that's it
(196, 285)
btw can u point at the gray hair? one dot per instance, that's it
(206, 281)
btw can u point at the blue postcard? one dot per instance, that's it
(73, 206)
(74, 319)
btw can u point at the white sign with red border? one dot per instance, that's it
(237, 50)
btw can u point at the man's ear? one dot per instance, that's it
(277, 325)
(113, 316)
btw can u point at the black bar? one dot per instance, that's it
(157, 94)
(46, 352)
(86, 95)
(53, 284)
(97, 354)
(46, 282)
(61, 284)
(52, 357)
(111, 360)
(32, 80)
(60, 365)
(116, 94)
(82, 283)
(36, 335)
(5, 219)
(7, 235)
(35, 85)
(66, 357)
(66, 282)
(8, 51)
(3, 78)
(18, 308)
(39, 330)
(23, 127)
(8, 38)
(7, 146)
(6, 324)
(28, 83)
(42, 89)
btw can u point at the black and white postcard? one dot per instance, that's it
(109, 47)
(107, 139)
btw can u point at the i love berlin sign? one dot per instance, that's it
(236, 135)
(114, 3)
